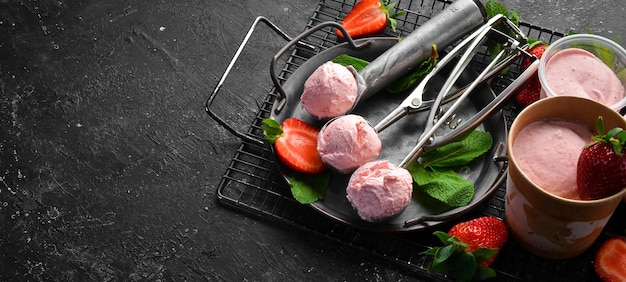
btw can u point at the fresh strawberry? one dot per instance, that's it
(483, 232)
(610, 262)
(535, 48)
(295, 142)
(368, 17)
(529, 93)
(469, 249)
(532, 89)
(601, 170)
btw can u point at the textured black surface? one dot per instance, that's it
(109, 166)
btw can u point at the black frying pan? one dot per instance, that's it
(397, 141)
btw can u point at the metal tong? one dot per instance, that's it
(513, 42)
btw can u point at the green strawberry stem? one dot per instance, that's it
(271, 130)
(454, 257)
(616, 136)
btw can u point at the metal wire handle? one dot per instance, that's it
(217, 88)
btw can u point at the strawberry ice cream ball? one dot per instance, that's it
(348, 142)
(379, 190)
(330, 91)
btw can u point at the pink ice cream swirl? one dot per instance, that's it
(348, 142)
(330, 91)
(379, 190)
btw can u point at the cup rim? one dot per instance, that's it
(574, 37)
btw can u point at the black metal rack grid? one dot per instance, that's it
(253, 185)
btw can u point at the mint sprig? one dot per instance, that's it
(435, 174)
(494, 8)
(347, 60)
(445, 186)
(460, 152)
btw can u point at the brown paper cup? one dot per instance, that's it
(544, 224)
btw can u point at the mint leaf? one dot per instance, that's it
(413, 78)
(446, 186)
(458, 153)
(347, 60)
(494, 8)
(435, 176)
(514, 17)
(308, 188)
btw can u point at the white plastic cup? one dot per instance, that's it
(591, 43)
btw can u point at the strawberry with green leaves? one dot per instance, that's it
(295, 142)
(531, 91)
(469, 249)
(369, 17)
(601, 170)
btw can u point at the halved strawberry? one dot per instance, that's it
(610, 262)
(532, 89)
(469, 249)
(369, 17)
(295, 142)
(601, 169)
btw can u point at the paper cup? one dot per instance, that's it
(542, 223)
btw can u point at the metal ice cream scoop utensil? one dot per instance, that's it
(449, 25)
(513, 43)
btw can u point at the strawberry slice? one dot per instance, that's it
(368, 17)
(610, 262)
(295, 142)
(601, 169)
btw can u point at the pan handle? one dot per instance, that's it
(217, 88)
(282, 98)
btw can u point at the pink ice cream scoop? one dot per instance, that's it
(348, 142)
(330, 91)
(379, 190)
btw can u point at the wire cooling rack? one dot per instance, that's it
(252, 184)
